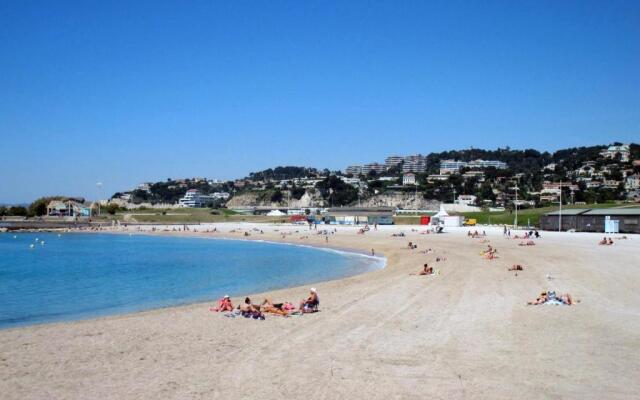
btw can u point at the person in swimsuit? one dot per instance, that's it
(224, 304)
(426, 270)
(273, 308)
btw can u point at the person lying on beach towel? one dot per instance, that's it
(550, 297)
(527, 243)
(603, 241)
(224, 304)
(311, 303)
(516, 267)
(276, 308)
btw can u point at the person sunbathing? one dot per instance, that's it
(540, 300)
(567, 299)
(250, 310)
(276, 308)
(550, 296)
(610, 242)
(516, 267)
(603, 241)
(311, 303)
(426, 270)
(224, 304)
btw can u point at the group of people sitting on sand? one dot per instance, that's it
(550, 297)
(528, 235)
(255, 311)
(475, 234)
(426, 270)
(605, 241)
(516, 267)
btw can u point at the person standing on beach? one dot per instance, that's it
(373, 252)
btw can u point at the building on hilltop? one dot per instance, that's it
(623, 150)
(194, 199)
(354, 170)
(454, 166)
(480, 164)
(409, 179)
(378, 168)
(393, 161)
(451, 166)
(416, 163)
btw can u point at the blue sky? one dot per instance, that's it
(126, 92)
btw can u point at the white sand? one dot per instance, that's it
(466, 333)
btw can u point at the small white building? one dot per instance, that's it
(409, 179)
(467, 199)
(632, 182)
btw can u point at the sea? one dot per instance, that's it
(48, 277)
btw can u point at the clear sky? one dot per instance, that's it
(133, 91)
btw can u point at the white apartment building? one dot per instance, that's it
(194, 199)
(378, 168)
(354, 170)
(451, 166)
(392, 161)
(454, 166)
(416, 163)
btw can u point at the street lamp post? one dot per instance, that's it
(560, 213)
(516, 204)
(99, 185)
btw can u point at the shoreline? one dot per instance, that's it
(377, 262)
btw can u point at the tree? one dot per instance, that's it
(39, 206)
(112, 208)
(3, 211)
(277, 196)
(18, 211)
(336, 191)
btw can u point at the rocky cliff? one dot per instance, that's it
(311, 198)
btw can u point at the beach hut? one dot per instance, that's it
(359, 215)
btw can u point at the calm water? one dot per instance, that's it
(75, 276)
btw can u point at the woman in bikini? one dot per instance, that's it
(224, 304)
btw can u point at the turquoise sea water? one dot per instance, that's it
(76, 276)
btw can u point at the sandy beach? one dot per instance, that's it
(466, 332)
